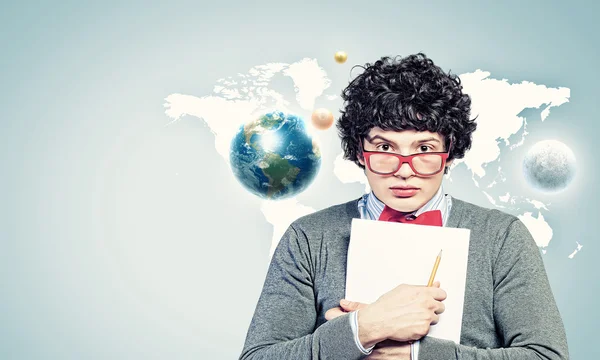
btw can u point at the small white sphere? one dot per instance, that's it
(549, 166)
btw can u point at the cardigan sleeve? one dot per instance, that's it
(284, 321)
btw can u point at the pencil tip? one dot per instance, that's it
(440, 254)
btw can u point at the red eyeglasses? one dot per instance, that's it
(423, 164)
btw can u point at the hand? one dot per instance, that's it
(404, 314)
(385, 350)
(390, 350)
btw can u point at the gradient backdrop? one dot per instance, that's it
(124, 239)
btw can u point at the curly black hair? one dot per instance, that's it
(410, 93)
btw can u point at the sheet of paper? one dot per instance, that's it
(383, 255)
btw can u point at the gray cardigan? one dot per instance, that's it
(509, 310)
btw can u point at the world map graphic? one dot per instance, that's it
(498, 105)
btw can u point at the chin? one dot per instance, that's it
(404, 205)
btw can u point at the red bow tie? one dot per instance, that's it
(432, 218)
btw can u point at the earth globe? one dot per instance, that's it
(274, 157)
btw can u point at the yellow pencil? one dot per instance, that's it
(435, 267)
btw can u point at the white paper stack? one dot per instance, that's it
(383, 255)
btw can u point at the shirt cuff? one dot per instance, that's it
(414, 350)
(354, 325)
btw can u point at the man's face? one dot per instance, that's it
(403, 190)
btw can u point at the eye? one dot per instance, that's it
(424, 148)
(384, 147)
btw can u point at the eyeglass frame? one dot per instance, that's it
(405, 159)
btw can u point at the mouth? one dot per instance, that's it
(404, 191)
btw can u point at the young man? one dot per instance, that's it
(404, 122)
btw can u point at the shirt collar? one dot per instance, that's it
(370, 207)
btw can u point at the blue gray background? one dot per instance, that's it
(116, 235)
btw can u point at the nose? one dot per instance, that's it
(405, 171)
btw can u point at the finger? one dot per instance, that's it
(435, 319)
(351, 305)
(436, 284)
(437, 293)
(333, 313)
(440, 307)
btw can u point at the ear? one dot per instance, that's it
(360, 158)
(359, 153)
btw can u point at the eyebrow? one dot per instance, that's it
(370, 139)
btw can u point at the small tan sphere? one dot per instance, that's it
(341, 57)
(322, 119)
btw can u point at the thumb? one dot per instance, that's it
(333, 313)
(350, 305)
(436, 284)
